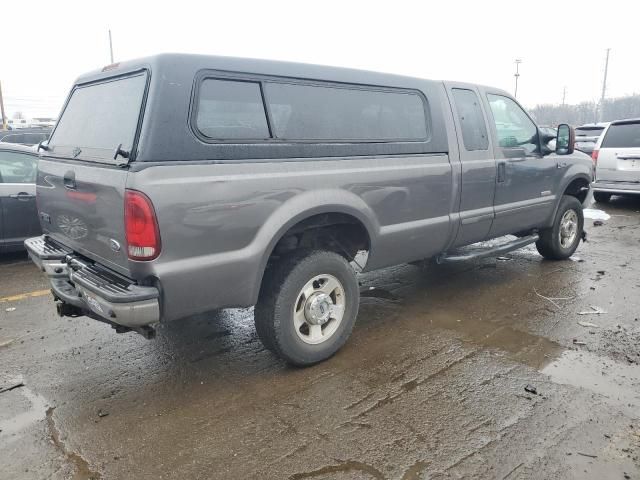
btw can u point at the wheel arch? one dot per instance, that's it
(572, 185)
(578, 187)
(303, 208)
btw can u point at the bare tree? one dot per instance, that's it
(18, 115)
(585, 112)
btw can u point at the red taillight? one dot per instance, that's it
(594, 156)
(141, 226)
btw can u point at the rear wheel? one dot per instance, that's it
(601, 197)
(562, 239)
(307, 306)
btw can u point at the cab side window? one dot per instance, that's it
(230, 109)
(17, 168)
(474, 129)
(514, 127)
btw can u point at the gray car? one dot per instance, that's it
(587, 136)
(18, 212)
(180, 184)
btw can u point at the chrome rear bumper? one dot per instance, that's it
(93, 289)
(617, 188)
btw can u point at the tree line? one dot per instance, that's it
(588, 112)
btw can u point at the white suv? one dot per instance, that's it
(617, 160)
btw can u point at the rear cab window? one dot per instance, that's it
(99, 117)
(474, 128)
(622, 135)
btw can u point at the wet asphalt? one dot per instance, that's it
(476, 370)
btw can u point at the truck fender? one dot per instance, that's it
(304, 206)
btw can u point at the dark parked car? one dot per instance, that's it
(180, 184)
(25, 136)
(18, 212)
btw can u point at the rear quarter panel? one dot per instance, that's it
(219, 221)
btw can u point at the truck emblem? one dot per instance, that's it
(114, 244)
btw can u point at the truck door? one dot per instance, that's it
(527, 183)
(477, 163)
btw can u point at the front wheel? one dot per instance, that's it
(307, 306)
(562, 239)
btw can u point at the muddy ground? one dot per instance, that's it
(431, 384)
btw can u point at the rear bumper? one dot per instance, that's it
(617, 188)
(95, 290)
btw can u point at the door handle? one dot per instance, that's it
(561, 164)
(24, 196)
(502, 171)
(69, 180)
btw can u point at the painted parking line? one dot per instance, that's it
(22, 296)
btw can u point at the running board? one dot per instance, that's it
(473, 253)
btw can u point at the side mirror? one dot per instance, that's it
(566, 139)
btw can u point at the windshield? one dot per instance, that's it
(98, 118)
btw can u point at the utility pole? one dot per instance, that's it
(110, 46)
(517, 75)
(3, 123)
(564, 96)
(604, 84)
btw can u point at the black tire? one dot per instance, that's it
(549, 245)
(281, 287)
(601, 197)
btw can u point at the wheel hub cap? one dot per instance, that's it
(568, 228)
(317, 309)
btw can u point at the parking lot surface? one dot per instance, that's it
(502, 368)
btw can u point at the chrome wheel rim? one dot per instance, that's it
(319, 309)
(568, 228)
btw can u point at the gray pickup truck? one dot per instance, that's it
(180, 184)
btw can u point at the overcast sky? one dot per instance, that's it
(46, 44)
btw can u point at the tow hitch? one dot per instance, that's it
(67, 310)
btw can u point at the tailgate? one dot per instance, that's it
(82, 207)
(83, 172)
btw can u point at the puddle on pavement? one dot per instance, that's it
(519, 345)
(617, 382)
(37, 411)
(492, 308)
